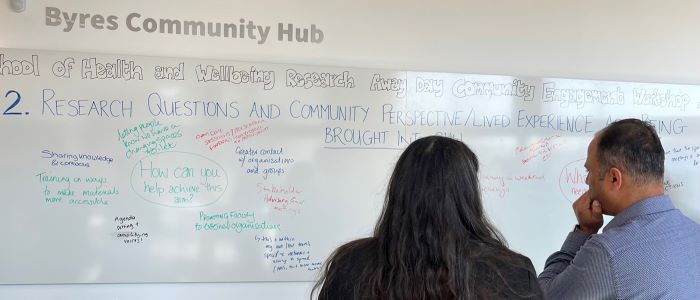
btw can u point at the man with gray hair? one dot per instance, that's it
(649, 250)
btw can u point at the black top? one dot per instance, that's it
(515, 279)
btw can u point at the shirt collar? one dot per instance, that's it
(644, 207)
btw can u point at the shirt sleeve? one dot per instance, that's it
(580, 270)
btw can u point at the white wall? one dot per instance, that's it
(626, 40)
(210, 291)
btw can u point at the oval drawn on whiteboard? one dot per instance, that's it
(179, 179)
(572, 180)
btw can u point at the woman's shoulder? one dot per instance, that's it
(344, 269)
(357, 244)
(522, 261)
(353, 251)
(506, 258)
(508, 273)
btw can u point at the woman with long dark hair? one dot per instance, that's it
(432, 240)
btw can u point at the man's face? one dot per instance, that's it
(594, 181)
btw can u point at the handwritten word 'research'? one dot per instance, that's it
(320, 80)
(80, 107)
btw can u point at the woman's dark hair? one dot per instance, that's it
(432, 230)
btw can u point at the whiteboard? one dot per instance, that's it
(134, 169)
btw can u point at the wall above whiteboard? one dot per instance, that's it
(623, 40)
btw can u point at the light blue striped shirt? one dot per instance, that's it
(648, 251)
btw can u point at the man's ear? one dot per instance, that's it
(615, 178)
